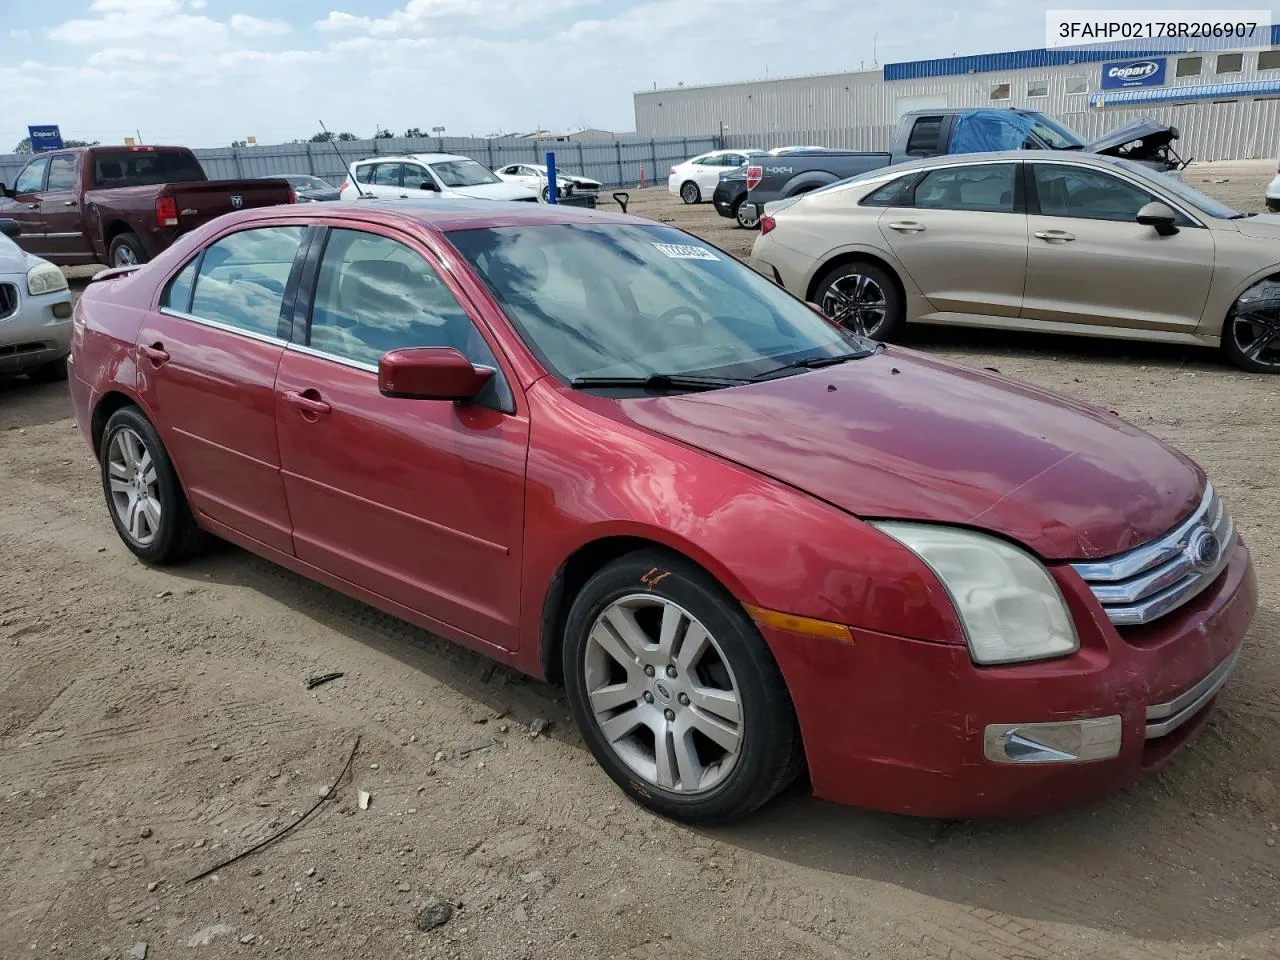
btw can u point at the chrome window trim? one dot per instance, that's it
(333, 357)
(1164, 718)
(225, 327)
(1144, 583)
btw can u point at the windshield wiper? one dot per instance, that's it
(658, 381)
(814, 363)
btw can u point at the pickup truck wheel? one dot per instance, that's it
(690, 193)
(745, 214)
(863, 298)
(126, 251)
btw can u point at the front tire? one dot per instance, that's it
(126, 250)
(864, 299)
(690, 193)
(1251, 333)
(675, 691)
(144, 497)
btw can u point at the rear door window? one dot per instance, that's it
(926, 134)
(243, 277)
(387, 175)
(62, 172)
(981, 187)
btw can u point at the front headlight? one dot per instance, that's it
(45, 278)
(1011, 609)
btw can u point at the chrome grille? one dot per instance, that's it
(1149, 581)
(8, 300)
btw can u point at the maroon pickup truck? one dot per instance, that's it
(121, 205)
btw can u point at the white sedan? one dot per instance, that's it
(35, 312)
(535, 177)
(696, 180)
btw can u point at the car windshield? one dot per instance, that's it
(312, 183)
(1055, 135)
(1187, 194)
(139, 168)
(624, 300)
(463, 173)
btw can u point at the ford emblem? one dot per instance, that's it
(1204, 549)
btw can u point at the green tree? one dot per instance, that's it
(415, 132)
(383, 135)
(347, 136)
(239, 143)
(321, 137)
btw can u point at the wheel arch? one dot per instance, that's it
(107, 404)
(848, 257)
(580, 565)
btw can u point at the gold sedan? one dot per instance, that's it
(1059, 242)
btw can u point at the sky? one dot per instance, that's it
(207, 72)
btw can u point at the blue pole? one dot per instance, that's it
(552, 194)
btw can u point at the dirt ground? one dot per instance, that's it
(154, 723)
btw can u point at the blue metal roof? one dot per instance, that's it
(1185, 92)
(1021, 60)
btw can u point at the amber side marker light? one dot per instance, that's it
(794, 624)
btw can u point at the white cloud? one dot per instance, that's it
(421, 15)
(256, 27)
(20, 34)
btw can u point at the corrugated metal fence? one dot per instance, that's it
(1237, 130)
(614, 163)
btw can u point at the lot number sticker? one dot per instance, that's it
(682, 251)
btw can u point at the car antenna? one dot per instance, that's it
(355, 182)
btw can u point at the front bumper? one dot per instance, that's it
(32, 335)
(908, 726)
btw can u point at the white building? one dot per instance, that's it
(1226, 103)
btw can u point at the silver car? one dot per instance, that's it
(35, 312)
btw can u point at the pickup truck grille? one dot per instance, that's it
(1147, 582)
(8, 300)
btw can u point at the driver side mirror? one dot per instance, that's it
(10, 228)
(1160, 216)
(429, 185)
(430, 373)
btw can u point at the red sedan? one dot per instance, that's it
(746, 540)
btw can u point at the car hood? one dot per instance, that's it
(900, 435)
(1155, 134)
(13, 259)
(1264, 226)
(493, 191)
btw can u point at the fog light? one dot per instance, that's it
(1065, 741)
(62, 310)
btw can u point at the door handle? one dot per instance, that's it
(156, 353)
(907, 226)
(33, 206)
(68, 203)
(313, 405)
(1055, 236)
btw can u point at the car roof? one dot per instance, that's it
(420, 157)
(439, 215)
(950, 159)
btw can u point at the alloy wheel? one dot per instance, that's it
(689, 193)
(1256, 332)
(857, 303)
(125, 257)
(663, 694)
(135, 486)
(746, 217)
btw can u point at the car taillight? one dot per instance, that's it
(767, 224)
(293, 197)
(346, 185)
(673, 171)
(754, 176)
(166, 211)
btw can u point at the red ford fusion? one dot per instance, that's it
(747, 541)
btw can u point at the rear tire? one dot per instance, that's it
(745, 220)
(717, 668)
(690, 193)
(138, 478)
(49, 372)
(863, 298)
(126, 250)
